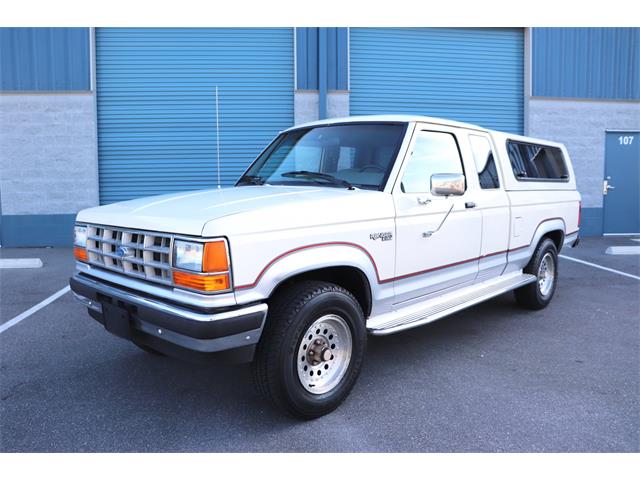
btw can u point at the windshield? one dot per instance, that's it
(338, 156)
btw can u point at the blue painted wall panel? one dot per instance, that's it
(591, 222)
(471, 75)
(44, 59)
(55, 230)
(307, 58)
(157, 112)
(594, 63)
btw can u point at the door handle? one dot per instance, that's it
(470, 205)
(423, 201)
(606, 187)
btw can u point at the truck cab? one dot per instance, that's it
(339, 229)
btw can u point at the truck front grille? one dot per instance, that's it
(144, 255)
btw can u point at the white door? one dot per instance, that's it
(493, 203)
(438, 238)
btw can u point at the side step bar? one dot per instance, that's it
(452, 302)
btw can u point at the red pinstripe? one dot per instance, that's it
(373, 262)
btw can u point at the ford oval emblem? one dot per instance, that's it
(122, 251)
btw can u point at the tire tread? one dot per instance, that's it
(283, 310)
(528, 296)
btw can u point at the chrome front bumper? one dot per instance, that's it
(172, 329)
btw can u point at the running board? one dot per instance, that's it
(441, 306)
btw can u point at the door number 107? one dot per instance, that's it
(625, 140)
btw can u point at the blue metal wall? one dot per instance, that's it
(157, 112)
(307, 58)
(597, 63)
(44, 59)
(471, 75)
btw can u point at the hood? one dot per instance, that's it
(189, 213)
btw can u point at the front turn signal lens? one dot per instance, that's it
(215, 257)
(206, 283)
(80, 254)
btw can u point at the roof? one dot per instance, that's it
(390, 118)
(423, 119)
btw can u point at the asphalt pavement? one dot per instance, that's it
(491, 378)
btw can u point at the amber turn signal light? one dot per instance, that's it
(80, 254)
(215, 257)
(206, 283)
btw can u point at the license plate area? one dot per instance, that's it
(117, 320)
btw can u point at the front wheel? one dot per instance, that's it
(311, 350)
(544, 265)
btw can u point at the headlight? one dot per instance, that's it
(80, 243)
(205, 259)
(80, 236)
(188, 255)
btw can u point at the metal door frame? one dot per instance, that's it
(604, 175)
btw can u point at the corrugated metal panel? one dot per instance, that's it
(470, 75)
(156, 105)
(601, 63)
(44, 59)
(307, 58)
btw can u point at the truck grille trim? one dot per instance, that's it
(145, 255)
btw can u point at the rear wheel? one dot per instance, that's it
(311, 350)
(544, 265)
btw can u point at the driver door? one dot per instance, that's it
(437, 237)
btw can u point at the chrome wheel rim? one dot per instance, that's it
(546, 274)
(324, 354)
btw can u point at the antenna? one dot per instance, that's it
(217, 137)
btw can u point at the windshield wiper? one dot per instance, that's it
(251, 180)
(319, 175)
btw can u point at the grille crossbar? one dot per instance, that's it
(144, 255)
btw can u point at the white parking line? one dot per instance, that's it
(22, 262)
(623, 250)
(34, 309)
(595, 265)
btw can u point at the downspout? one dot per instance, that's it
(528, 78)
(322, 73)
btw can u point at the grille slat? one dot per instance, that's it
(131, 260)
(132, 245)
(146, 254)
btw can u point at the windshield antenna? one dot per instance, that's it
(217, 137)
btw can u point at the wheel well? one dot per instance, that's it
(350, 278)
(557, 236)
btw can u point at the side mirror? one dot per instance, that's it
(447, 184)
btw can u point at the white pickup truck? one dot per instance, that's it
(340, 228)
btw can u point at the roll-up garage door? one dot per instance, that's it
(157, 108)
(469, 75)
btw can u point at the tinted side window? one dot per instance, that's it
(485, 161)
(433, 152)
(536, 162)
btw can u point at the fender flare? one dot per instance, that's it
(308, 258)
(544, 227)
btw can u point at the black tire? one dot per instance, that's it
(532, 296)
(275, 365)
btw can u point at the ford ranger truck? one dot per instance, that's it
(340, 228)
